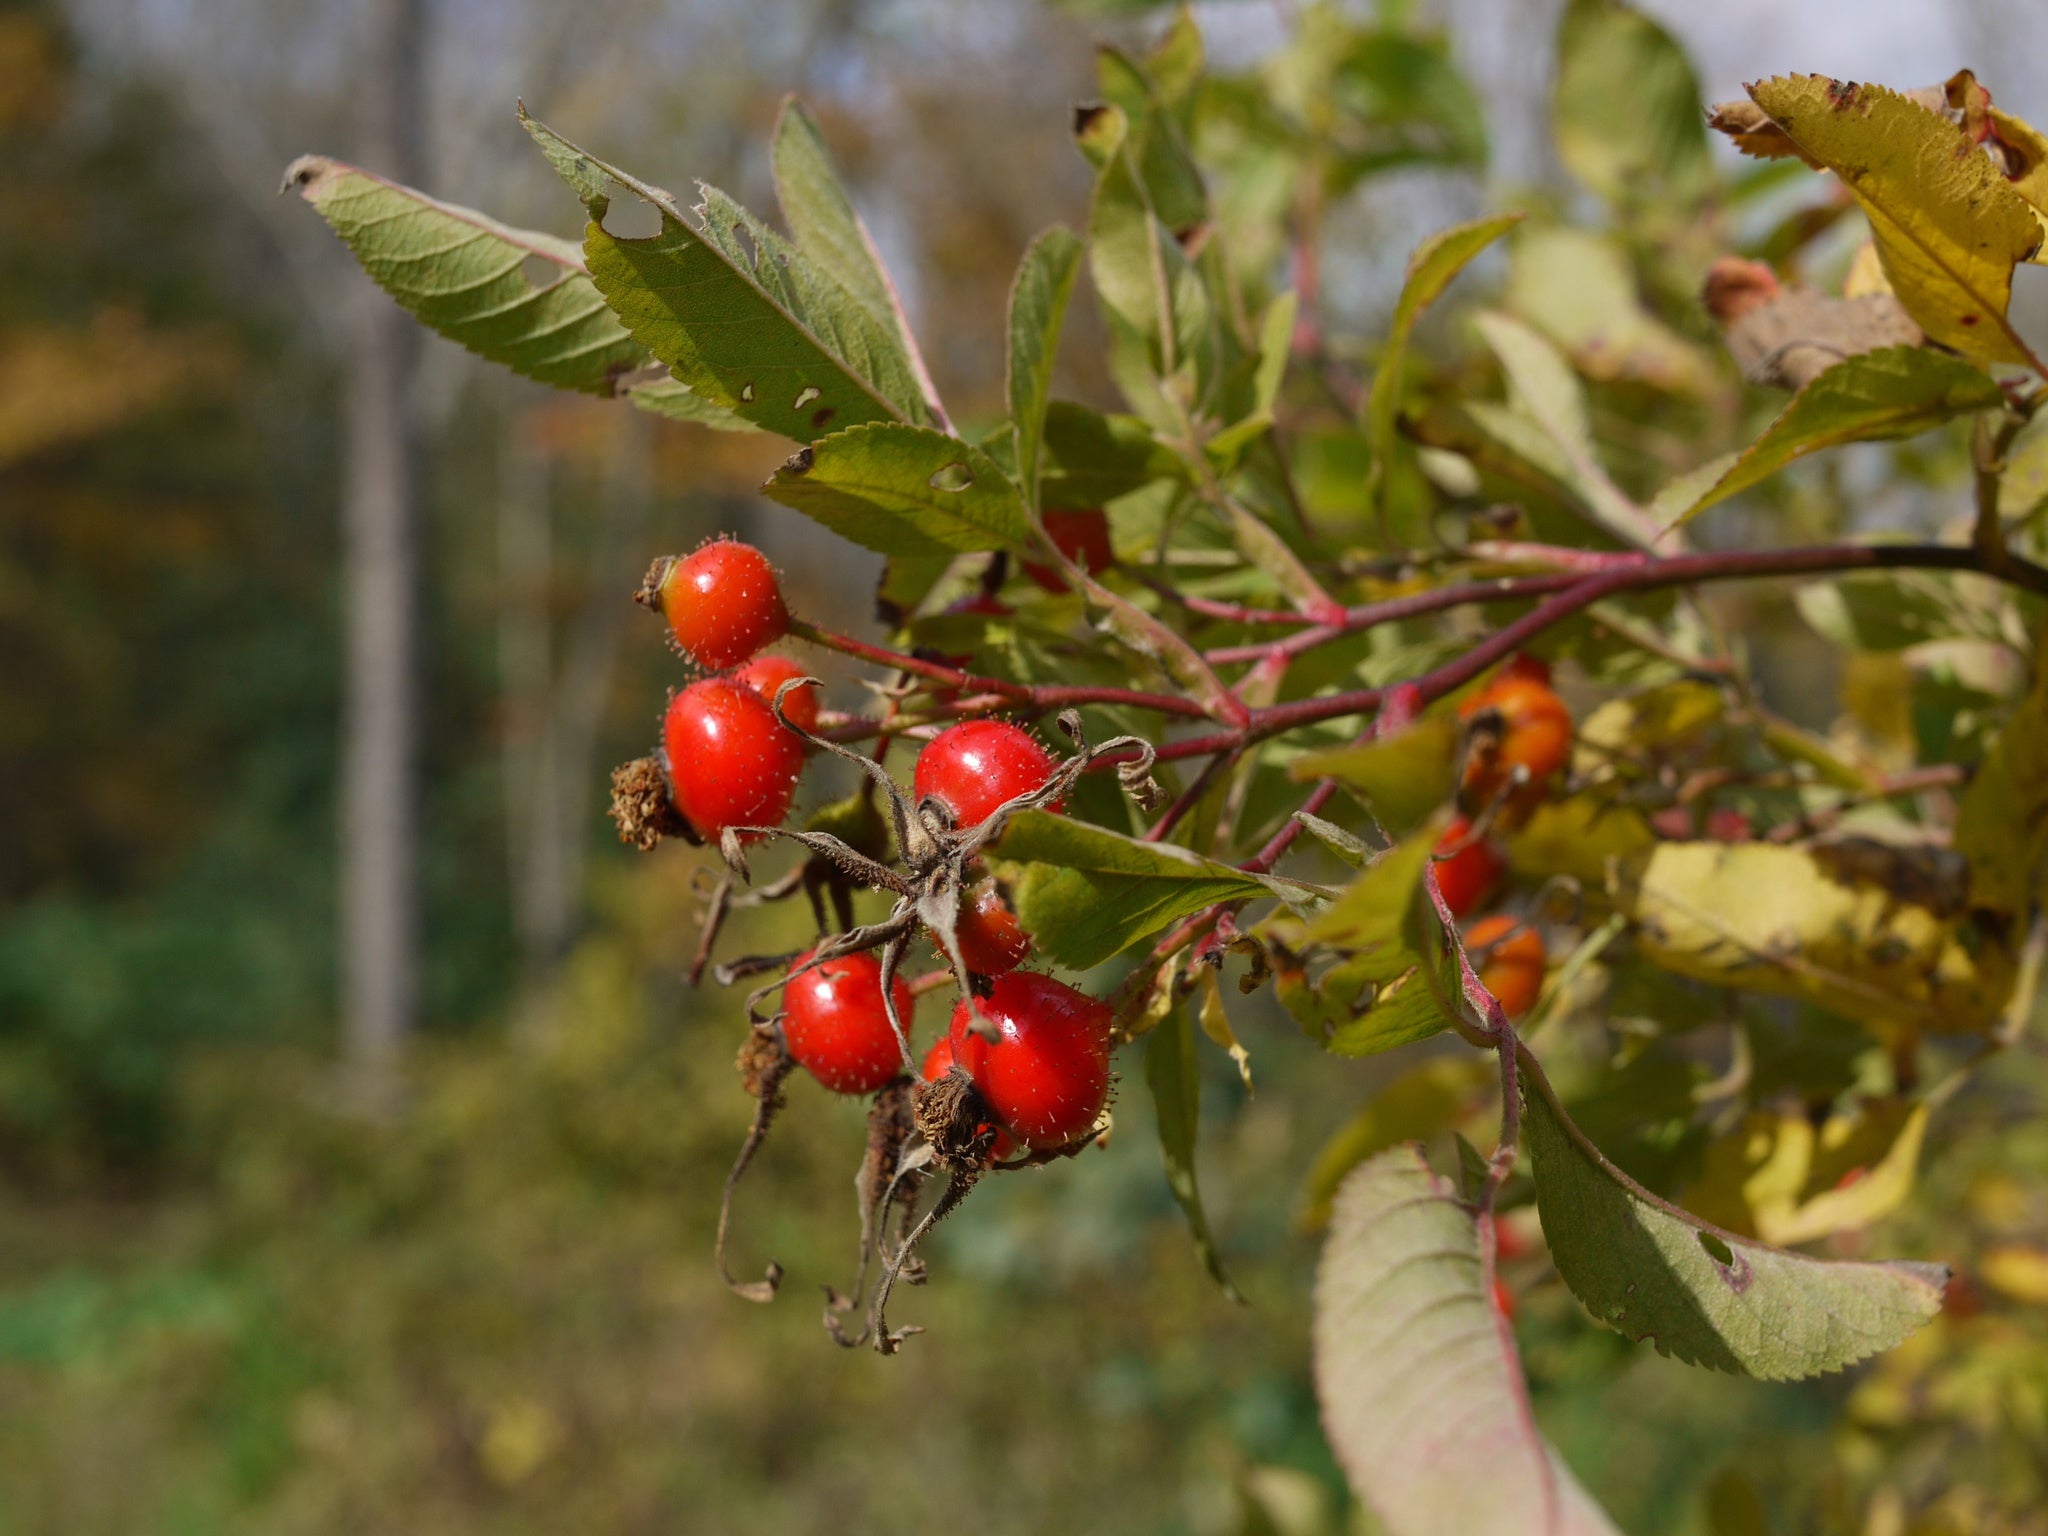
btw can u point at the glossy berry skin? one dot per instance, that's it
(938, 1061)
(1046, 1075)
(992, 941)
(1523, 665)
(1513, 968)
(730, 761)
(1466, 877)
(723, 603)
(1535, 733)
(974, 767)
(766, 675)
(1082, 535)
(837, 1028)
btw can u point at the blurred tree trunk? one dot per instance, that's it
(380, 939)
(554, 705)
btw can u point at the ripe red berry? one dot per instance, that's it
(1503, 1299)
(1513, 965)
(1522, 664)
(723, 602)
(992, 941)
(1046, 1074)
(1535, 732)
(984, 604)
(837, 1027)
(974, 767)
(1467, 876)
(1082, 535)
(938, 1061)
(766, 674)
(730, 762)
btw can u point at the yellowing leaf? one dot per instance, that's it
(1769, 918)
(1949, 228)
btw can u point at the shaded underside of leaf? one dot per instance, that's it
(1702, 1295)
(464, 275)
(1892, 393)
(903, 490)
(1421, 1389)
(1175, 1078)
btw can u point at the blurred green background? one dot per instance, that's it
(234, 1295)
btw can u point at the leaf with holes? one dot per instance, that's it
(1949, 228)
(1651, 1271)
(1421, 1389)
(1897, 392)
(466, 275)
(745, 319)
(903, 490)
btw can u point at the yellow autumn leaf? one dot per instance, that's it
(1949, 228)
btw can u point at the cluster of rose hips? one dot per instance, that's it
(1022, 1073)
(1519, 738)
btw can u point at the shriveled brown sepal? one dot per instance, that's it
(764, 1062)
(641, 807)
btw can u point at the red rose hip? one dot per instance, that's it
(974, 767)
(1046, 1074)
(837, 1027)
(766, 675)
(992, 941)
(722, 603)
(730, 761)
(938, 1061)
(1082, 535)
(1513, 970)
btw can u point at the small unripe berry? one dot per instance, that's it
(837, 1027)
(976, 766)
(730, 761)
(722, 603)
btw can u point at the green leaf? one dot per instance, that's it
(1884, 610)
(1175, 1078)
(1414, 1106)
(743, 318)
(1087, 894)
(829, 232)
(1949, 228)
(1091, 458)
(1403, 777)
(1705, 1296)
(2002, 823)
(1173, 185)
(1372, 914)
(1398, 99)
(1436, 261)
(665, 397)
(903, 490)
(1896, 392)
(465, 275)
(1577, 286)
(1545, 394)
(1421, 1389)
(1038, 309)
(1141, 274)
(1626, 108)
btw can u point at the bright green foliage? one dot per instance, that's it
(2001, 827)
(1422, 1393)
(1708, 1297)
(1896, 392)
(1402, 777)
(903, 490)
(1088, 894)
(1175, 1078)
